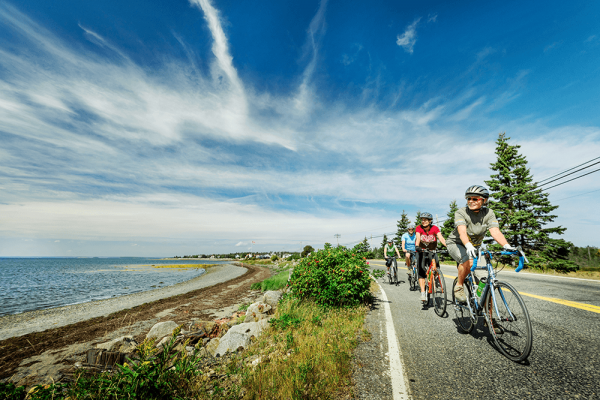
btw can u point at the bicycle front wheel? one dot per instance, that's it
(439, 293)
(462, 312)
(510, 325)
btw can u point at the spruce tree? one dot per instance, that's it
(418, 219)
(402, 227)
(524, 210)
(363, 248)
(448, 225)
(384, 242)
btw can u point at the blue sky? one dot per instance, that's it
(183, 127)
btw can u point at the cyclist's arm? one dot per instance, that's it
(462, 233)
(418, 240)
(441, 238)
(384, 251)
(403, 246)
(498, 236)
(397, 252)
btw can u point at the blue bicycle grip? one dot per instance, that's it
(474, 267)
(521, 264)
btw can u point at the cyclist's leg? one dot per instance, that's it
(422, 270)
(458, 252)
(407, 262)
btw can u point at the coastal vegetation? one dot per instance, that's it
(305, 353)
(273, 283)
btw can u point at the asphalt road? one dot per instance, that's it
(442, 363)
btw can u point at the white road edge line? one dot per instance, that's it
(399, 386)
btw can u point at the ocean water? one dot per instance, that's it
(28, 284)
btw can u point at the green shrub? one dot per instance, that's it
(378, 273)
(9, 391)
(332, 277)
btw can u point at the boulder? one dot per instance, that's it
(206, 326)
(162, 329)
(124, 344)
(211, 347)
(272, 297)
(239, 336)
(257, 311)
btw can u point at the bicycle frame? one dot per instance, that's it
(490, 283)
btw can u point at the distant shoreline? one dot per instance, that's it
(40, 320)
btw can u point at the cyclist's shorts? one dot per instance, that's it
(423, 263)
(458, 252)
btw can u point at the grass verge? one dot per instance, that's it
(306, 353)
(273, 283)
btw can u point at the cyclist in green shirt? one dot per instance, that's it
(471, 224)
(389, 249)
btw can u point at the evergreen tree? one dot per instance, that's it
(363, 248)
(448, 225)
(524, 210)
(402, 228)
(418, 219)
(384, 242)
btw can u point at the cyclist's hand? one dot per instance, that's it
(509, 247)
(471, 250)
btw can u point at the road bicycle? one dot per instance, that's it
(501, 306)
(413, 275)
(393, 275)
(435, 284)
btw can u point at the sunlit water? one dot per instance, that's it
(28, 284)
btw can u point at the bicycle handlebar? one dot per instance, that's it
(519, 251)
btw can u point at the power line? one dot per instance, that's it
(557, 179)
(577, 195)
(580, 176)
(560, 173)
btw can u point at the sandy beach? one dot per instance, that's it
(40, 320)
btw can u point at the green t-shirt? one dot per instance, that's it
(391, 252)
(477, 224)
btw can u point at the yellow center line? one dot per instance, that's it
(582, 306)
(569, 303)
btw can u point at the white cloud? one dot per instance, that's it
(432, 18)
(108, 151)
(408, 39)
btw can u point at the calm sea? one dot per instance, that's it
(28, 284)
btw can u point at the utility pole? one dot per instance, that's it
(337, 236)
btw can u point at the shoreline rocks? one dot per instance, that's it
(213, 339)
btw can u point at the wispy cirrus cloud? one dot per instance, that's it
(99, 147)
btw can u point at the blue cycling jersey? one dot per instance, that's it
(409, 241)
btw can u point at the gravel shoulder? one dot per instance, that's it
(371, 364)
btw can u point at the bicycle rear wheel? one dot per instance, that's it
(439, 293)
(511, 326)
(462, 312)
